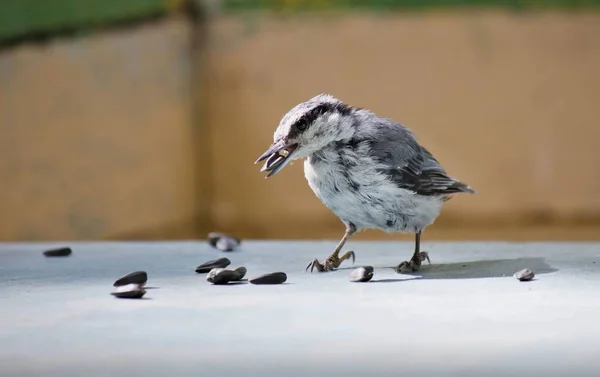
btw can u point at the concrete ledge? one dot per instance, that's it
(463, 316)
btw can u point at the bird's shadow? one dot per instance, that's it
(490, 268)
(481, 269)
(392, 280)
(246, 282)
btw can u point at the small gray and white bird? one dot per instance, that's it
(369, 171)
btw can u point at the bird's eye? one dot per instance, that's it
(301, 126)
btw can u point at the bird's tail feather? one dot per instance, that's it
(458, 187)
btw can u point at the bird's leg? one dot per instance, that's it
(415, 262)
(334, 260)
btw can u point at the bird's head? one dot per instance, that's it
(307, 128)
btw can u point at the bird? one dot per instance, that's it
(369, 170)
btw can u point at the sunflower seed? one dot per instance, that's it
(212, 273)
(138, 277)
(524, 275)
(129, 291)
(221, 276)
(361, 274)
(215, 263)
(271, 161)
(213, 237)
(60, 252)
(241, 271)
(272, 278)
(226, 243)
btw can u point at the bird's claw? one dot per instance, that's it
(414, 264)
(424, 256)
(331, 263)
(318, 265)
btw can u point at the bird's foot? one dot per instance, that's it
(331, 263)
(414, 264)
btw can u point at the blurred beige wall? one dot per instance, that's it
(98, 137)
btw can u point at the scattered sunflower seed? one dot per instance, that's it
(212, 273)
(241, 271)
(524, 275)
(221, 276)
(129, 291)
(60, 252)
(226, 243)
(361, 274)
(214, 237)
(215, 263)
(138, 277)
(272, 278)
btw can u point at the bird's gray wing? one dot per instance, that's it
(411, 166)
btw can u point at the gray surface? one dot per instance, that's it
(57, 317)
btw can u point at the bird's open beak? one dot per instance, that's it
(278, 156)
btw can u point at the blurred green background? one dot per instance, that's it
(22, 18)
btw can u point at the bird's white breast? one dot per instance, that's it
(351, 187)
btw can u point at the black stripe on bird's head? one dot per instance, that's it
(308, 118)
